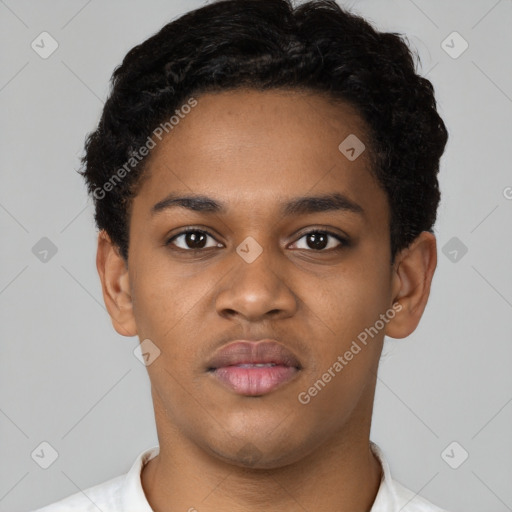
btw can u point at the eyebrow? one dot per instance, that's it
(297, 206)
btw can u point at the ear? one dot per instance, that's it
(412, 276)
(113, 271)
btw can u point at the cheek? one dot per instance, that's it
(345, 313)
(160, 298)
(172, 308)
(352, 301)
(346, 356)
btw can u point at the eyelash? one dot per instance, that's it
(343, 241)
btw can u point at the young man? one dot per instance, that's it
(265, 184)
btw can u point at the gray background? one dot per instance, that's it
(69, 379)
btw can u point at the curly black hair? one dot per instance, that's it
(270, 44)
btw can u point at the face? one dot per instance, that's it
(258, 264)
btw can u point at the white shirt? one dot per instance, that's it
(125, 493)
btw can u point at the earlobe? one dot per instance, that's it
(412, 276)
(115, 285)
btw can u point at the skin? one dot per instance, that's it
(220, 451)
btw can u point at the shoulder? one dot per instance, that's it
(104, 496)
(408, 501)
(115, 495)
(395, 497)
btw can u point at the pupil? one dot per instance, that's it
(192, 240)
(319, 240)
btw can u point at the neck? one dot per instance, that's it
(342, 474)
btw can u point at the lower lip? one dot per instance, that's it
(254, 381)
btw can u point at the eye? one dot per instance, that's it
(321, 240)
(192, 239)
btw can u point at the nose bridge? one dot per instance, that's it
(256, 285)
(258, 266)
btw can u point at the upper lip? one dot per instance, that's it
(253, 352)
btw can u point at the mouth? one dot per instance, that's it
(254, 368)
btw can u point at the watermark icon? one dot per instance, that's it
(44, 250)
(351, 147)
(454, 455)
(138, 155)
(454, 249)
(250, 454)
(44, 455)
(249, 249)
(304, 397)
(507, 192)
(44, 45)
(147, 352)
(454, 45)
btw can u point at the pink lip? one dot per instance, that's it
(254, 368)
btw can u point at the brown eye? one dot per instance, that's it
(321, 240)
(193, 240)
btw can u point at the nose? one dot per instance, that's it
(258, 290)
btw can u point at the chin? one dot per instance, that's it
(261, 451)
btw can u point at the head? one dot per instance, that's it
(252, 105)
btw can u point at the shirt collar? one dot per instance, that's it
(386, 498)
(133, 497)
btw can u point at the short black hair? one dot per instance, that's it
(269, 44)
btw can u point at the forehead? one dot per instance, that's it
(257, 146)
